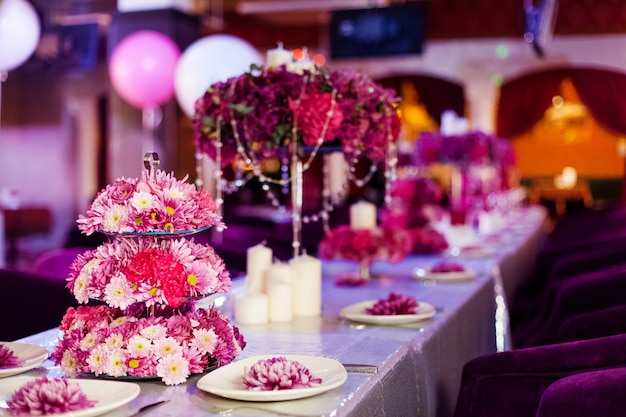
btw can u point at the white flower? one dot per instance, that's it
(115, 364)
(115, 217)
(139, 346)
(173, 369)
(205, 339)
(154, 332)
(168, 346)
(142, 200)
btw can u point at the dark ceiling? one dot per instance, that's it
(447, 19)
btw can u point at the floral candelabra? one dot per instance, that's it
(481, 164)
(294, 110)
(147, 279)
(363, 242)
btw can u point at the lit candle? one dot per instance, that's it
(279, 56)
(363, 215)
(251, 308)
(279, 292)
(258, 259)
(306, 286)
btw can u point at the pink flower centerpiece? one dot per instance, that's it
(278, 374)
(413, 202)
(263, 111)
(149, 277)
(169, 344)
(364, 246)
(158, 203)
(8, 359)
(44, 396)
(147, 270)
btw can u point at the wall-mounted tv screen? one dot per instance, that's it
(378, 31)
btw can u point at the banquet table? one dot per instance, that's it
(419, 364)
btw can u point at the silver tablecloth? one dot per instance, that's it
(419, 364)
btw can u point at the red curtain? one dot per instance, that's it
(603, 93)
(523, 101)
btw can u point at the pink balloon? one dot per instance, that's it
(142, 68)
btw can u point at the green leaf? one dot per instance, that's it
(241, 108)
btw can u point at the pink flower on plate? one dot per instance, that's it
(395, 304)
(43, 396)
(8, 359)
(278, 373)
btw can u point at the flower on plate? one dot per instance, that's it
(8, 359)
(278, 373)
(444, 267)
(261, 110)
(44, 396)
(394, 304)
(365, 245)
(153, 203)
(103, 340)
(148, 270)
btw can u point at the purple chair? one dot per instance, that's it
(57, 262)
(595, 393)
(598, 323)
(585, 293)
(31, 303)
(512, 383)
(524, 306)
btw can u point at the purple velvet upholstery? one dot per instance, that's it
(597, 393)
(512, 383)
(600, 256)
(584, 293)
(57, 262)
(598, 323)
(30, 303)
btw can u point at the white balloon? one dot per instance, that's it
(209, 60)
(19, 33)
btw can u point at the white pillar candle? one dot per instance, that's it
(251, 308)
(258, 259)
(336, 171)
(363, 215)
(279, 292)
(277, 57)
(306, 286)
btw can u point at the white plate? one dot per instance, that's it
(356, 312)
(227, 380)
(472, 252)
(108, 395)
(30, 355)
(466, 275)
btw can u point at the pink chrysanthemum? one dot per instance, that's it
(151, 270)
(8, 359)
(395, 304)
(44, 396)
(278, 373)
(173, 369)
(157, 203)
(107, 341)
